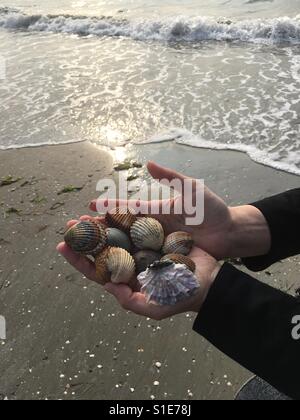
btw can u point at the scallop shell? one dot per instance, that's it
(86, 237)
(120, 264)
(121, 218)
(143, 259)
(102, 273)
(117, 238)
(178, 243)
(147, 233)
(181, 259)
(168, 283)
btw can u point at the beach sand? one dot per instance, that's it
(66, 338)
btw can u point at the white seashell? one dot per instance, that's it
(147, 233)
(120, 265)
(167, 283)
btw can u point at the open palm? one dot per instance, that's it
(134, 301)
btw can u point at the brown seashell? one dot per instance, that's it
(178, 243)
(143, 259)
(180, 259)
(102, 273)
(120, 265)
(147, 233)
(121, 218)
(86, 237)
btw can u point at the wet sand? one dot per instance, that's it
(66, 338)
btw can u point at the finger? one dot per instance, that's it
(102, 206)
(79, 262)
(160, 172)
(71, 223)
(166, 176)
(86, 218)
(158, 209)
(136, 302)
(121, 292)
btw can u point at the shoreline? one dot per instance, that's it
(66, 338)
(217, 148)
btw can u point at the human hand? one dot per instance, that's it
(225, 232)
(211, 235)
(207, 269)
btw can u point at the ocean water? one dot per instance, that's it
(219, 74)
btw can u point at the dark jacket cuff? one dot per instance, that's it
(282, 213)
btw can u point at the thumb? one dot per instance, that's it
(161, 173)
(165, 176)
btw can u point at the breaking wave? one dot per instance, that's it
(179, 28)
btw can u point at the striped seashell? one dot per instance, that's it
(86, 237)
(121, 218)
(102, 273)
(147, 233)
(143, 259)
(120, 265)
(168, 284)
(180, 259)
(178, 243)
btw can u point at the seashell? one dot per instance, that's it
(86, 237)
(178, 243)
(102, 273)
(147, 233)
(117, 238)
(120, 265)
(121, 218)
(181, 259)
(167, 283)
(143, 259)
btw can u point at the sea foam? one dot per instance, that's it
(177, 28)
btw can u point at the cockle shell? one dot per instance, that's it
(178, 243)
(115, 265)
(167, 283)
(102, 273)
(86, 237)
(143, 259)
(121, 265)
(117, 238)
(147, 233)
(121, 218)
(180, 259)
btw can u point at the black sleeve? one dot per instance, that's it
(282, 213)
(253, 324)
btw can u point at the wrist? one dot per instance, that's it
(205, 287)
(249, 234)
